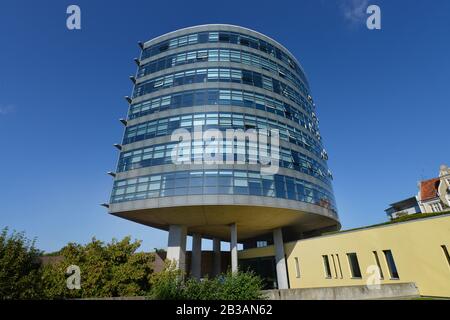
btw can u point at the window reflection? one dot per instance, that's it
(221, 182)
(223, 121)
(219, 75)
(224, 37)
(304, 117)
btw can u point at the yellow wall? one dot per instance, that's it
(415, 245)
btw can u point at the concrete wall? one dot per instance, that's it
(386, 291)
(415, 245)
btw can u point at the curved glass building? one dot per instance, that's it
(228, 79)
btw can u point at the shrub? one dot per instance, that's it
(241, 286)
(208, 289)
(169, 285)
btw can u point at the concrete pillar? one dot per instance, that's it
(176, 247)
(196, 258)
(217, 264)
(282, 277)
(233, 248)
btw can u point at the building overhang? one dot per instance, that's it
(212, 215)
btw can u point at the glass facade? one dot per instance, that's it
(161, 154)
(223, 182)
(223, 55)
(237, 80)
(224, 37)
(224, 75)
(223, 121)
(303, 116)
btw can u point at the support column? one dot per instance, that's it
(280, 260)
(196, 258)
(217, 264)
(176, 247)
(233, 248)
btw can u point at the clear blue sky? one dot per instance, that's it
(383, 100)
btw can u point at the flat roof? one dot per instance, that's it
(406, 203)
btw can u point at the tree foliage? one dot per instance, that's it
(107, 270)
(19, 267)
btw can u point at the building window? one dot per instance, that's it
(377, 260)
(260, 244)
(446, 254)
(391, 264)
(297, 267)
(436, 207)
(354, 265)
(334, 265)
(339, 265)
(326, 264)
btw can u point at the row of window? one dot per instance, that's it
(239, 98)
(333, 268)
(223, 55)
(333, 260)
(223, 121)
(251, 78)
(436, 207)
(194, 152)
(221, 182)
(223, 37)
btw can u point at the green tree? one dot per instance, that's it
(20, 274)
(107, 270)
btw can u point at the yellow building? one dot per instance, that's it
(414, 251)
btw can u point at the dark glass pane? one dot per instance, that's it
(257, 80)
(176, 101)
(354, 265)
(255, 188)
(254, 44)
(391, 264)
(190, 79)
(233, 38)
(247, 77)
(203, 37)
(224, 37)
(188, 99)
(163, 46)
(279, 187)
(244, 41)
(326, 264)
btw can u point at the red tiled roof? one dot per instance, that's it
(429, 189)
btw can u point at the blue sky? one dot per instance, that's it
(382, 99)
